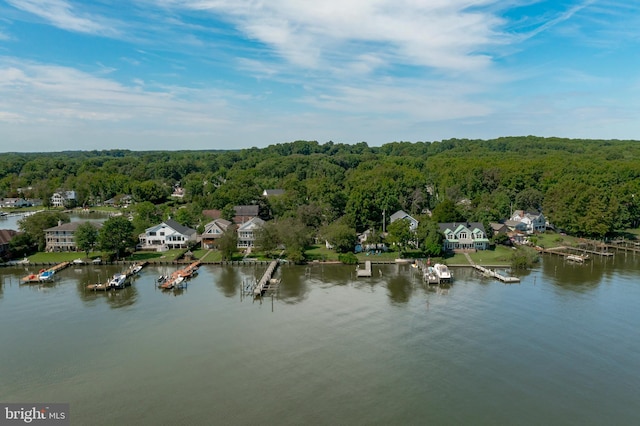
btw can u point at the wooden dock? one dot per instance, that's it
(266, 282)
(366, 272)
(45, 275)
(491, 273)
(571, 251)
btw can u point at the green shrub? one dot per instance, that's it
(348, 258)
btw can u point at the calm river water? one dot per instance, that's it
(562, 347)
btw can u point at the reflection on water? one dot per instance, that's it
(330, 348)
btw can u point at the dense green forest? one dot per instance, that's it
(584, 187)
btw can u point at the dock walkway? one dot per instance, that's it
(266, 283)
(491, 273)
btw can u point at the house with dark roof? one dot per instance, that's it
(62, 237)
(464, 236)
(167, 235)
(245, 213)
(400, 215)
(6, 235)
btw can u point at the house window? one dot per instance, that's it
(463, 235)
(162, 234)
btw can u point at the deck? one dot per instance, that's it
(366, 272)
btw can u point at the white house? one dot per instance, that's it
(167, 235)
(401, 214)
(246, 232)
(464, 236)
(533, 221)
(61, 198)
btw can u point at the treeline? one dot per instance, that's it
(585, 187)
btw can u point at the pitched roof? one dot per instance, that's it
(212, 214)
(455, 225)
(184, 230)
(72, 226)
(6, 235)
(247, 210)
(401, 214)
(251, 224)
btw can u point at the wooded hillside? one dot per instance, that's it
(585, 187)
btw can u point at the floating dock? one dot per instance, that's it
(366, 272)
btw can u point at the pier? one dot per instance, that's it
(266, 283)
(491, 273)
(45, 275)
(366, 272)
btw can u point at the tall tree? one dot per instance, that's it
(228, 243)
(116, 235)
(86, 237)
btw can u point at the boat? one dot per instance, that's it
(47, 275)
(430, 275)
(179, 282)
(576, 258)
(118, 281)
(442, 272)
(135, 269)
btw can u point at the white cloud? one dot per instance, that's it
(62, 14)
(441, 34)
(65, 96)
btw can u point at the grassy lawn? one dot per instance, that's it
(551, 239)
(501, 255)
(321, 253)
(154, 256)
(64, 256)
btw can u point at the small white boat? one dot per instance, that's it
(576, 258)
(118, 281)
(442, 272)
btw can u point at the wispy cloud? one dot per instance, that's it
(557, 19)
(451, 35)
(63, 14)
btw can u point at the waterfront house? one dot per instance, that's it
(247, 232)
(213, 232)
(62, 237)
(464, 236)
(6, 235)
(531, 221)
(16, 202)
(499, 228)
(401, 214)
(63, 198)
(167, 235)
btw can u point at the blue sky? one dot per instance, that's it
(226, 74)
